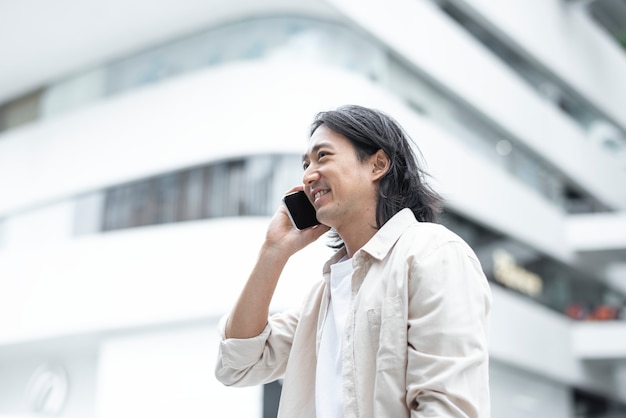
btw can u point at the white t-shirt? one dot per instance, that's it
(328, 385)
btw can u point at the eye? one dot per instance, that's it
(321, 154)
(305, 165)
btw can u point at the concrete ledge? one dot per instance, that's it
(599, 340)
(597, 232)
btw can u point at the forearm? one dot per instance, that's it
(249, 315)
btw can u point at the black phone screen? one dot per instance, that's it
(300, 209)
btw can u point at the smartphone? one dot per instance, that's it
(300, 210)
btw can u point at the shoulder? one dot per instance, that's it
(423, 239)
(441, 261)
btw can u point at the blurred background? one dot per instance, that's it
(144, 145)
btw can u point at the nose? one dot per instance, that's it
(310, 176)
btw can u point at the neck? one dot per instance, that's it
(357, 227)
(356, 238)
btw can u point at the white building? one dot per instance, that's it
(143, 146)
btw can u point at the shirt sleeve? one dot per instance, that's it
(256, 360)
(449, 300)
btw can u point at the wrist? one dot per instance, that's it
(275, 252)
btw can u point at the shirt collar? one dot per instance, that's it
(380, 244)
(334, 259)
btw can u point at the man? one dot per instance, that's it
(397, 328)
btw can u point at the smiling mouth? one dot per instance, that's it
(319, 194)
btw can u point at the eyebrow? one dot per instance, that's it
(315, 149)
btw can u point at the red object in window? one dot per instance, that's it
(576, 311)
(604, 313)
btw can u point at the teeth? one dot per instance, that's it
(319, 194)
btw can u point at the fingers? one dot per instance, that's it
(320, 230)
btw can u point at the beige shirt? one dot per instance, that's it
(415, 340)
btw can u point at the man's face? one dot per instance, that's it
(343, 189)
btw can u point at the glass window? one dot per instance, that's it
(215, 190)
(251, 186)
(259, 181)
(235, 189)
(166, 198)
(519, 268)
(73, 93)
(117, 208)
(288, 173)
(20, 111)
(88, 213)
(143, 210)
(192, 193)
(295, 39)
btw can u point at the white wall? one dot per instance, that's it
(597, 232)
(168, 373)
(77, 356)
(151, 275)
(565, 39)
(597, 341)
(516, 393)
(41, 227)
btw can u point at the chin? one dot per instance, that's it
(321, 218)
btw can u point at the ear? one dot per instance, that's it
(380, 164)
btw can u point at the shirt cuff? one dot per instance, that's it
(239, 353)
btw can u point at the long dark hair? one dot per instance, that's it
(404, 185)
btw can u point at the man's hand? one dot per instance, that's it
(284, 238)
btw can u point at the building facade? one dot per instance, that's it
(144, 146)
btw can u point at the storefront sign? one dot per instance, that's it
(510, 274)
